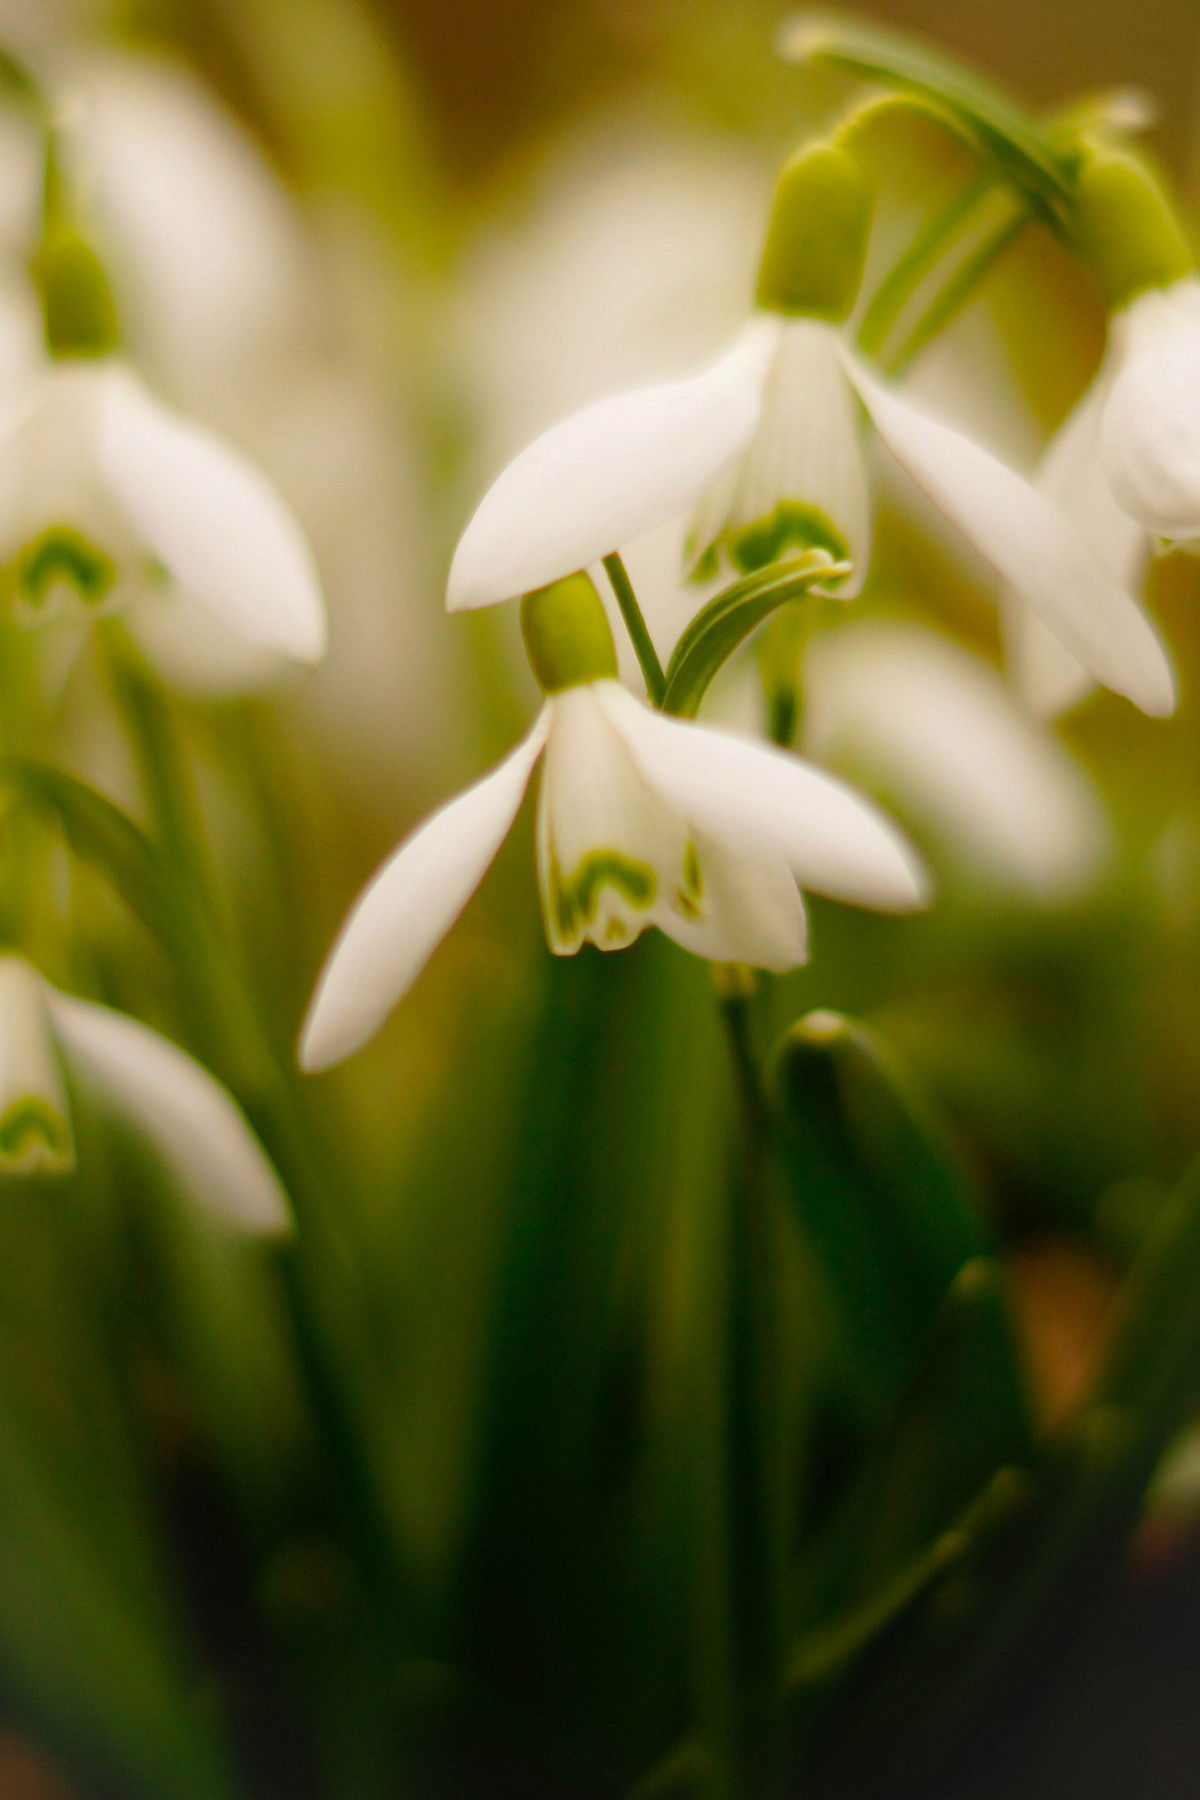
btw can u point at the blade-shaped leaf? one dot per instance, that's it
(728, 620)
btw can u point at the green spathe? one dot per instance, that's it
(1125, 227)
(816, 246)
(567, 635)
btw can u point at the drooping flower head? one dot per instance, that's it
(763, 450)
(642, 820)
(192, 1123)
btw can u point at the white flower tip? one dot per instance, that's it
(823, 1026)
(324, 1037)
(907, 886)
(468, 586)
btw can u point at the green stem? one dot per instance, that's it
(635, 624)
(231, 1017)
(756, 1506)
(900, 284)
(958, 290)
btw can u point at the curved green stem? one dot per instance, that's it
(900, 284)
(958, 290)
(639, 631)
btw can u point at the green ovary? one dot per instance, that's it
(34, 1139)
(792, 526)
(64, 555)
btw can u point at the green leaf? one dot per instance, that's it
(728, 620)
(980, 112)
(876, 1190)
(107, 838)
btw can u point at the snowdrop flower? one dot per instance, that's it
(936, 728)
(764, 448)
(110, 500)
(191, 1121)
(642, 820)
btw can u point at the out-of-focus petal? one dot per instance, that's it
(607, 475)
(193, 1122)
(768, 805)
(214, 521)
(936, 728)
(409, 905)
(1046, 675)
(1150, 433)
(1029, 542)
(35, 1124)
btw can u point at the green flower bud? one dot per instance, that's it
(567, 634)
(1125, 228)
(812, 261)
(79, 315)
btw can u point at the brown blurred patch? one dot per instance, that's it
(1062, 1300)
(26, 1772)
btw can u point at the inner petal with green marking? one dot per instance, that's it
(35, 1138)
(613, 856)
(61, 564)
(802, 482)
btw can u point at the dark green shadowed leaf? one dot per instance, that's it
(1004, 1638)
(980, 112)
(878, 1197)
(728, 620)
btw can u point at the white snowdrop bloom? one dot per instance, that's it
(935, 728)
(764, 448)
(642, 820)
(190, 1121)
(110, 500)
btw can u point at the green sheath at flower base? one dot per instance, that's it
(79, 314)
(1125, 227)
(812, 261)
(567, 635)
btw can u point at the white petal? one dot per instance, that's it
(766, 804)
(193, 1122)
(409, 905)
(753, 912)
(1046, 674)
(613, 856)
(607, 475)
(1150, 436)
(806, 452)
(1027, 540)
(213, 520)
(936, 727)
(195, 650)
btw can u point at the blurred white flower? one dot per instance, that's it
(190, 1121)
(642, 820)
(935, 728)
(109, 500)
(1150, 426)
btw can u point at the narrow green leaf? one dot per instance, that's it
(729, 618)
(983, 114)
(104, 836)
(876, 1190)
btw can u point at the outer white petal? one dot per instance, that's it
(1029, 542)
(768, 805)
(1150, 436)
(1046, 674)
(409, 905)
(608, 474)
(195, 650)
(192, 1121)
(213, 520)
(753, 912)
(935, 726)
